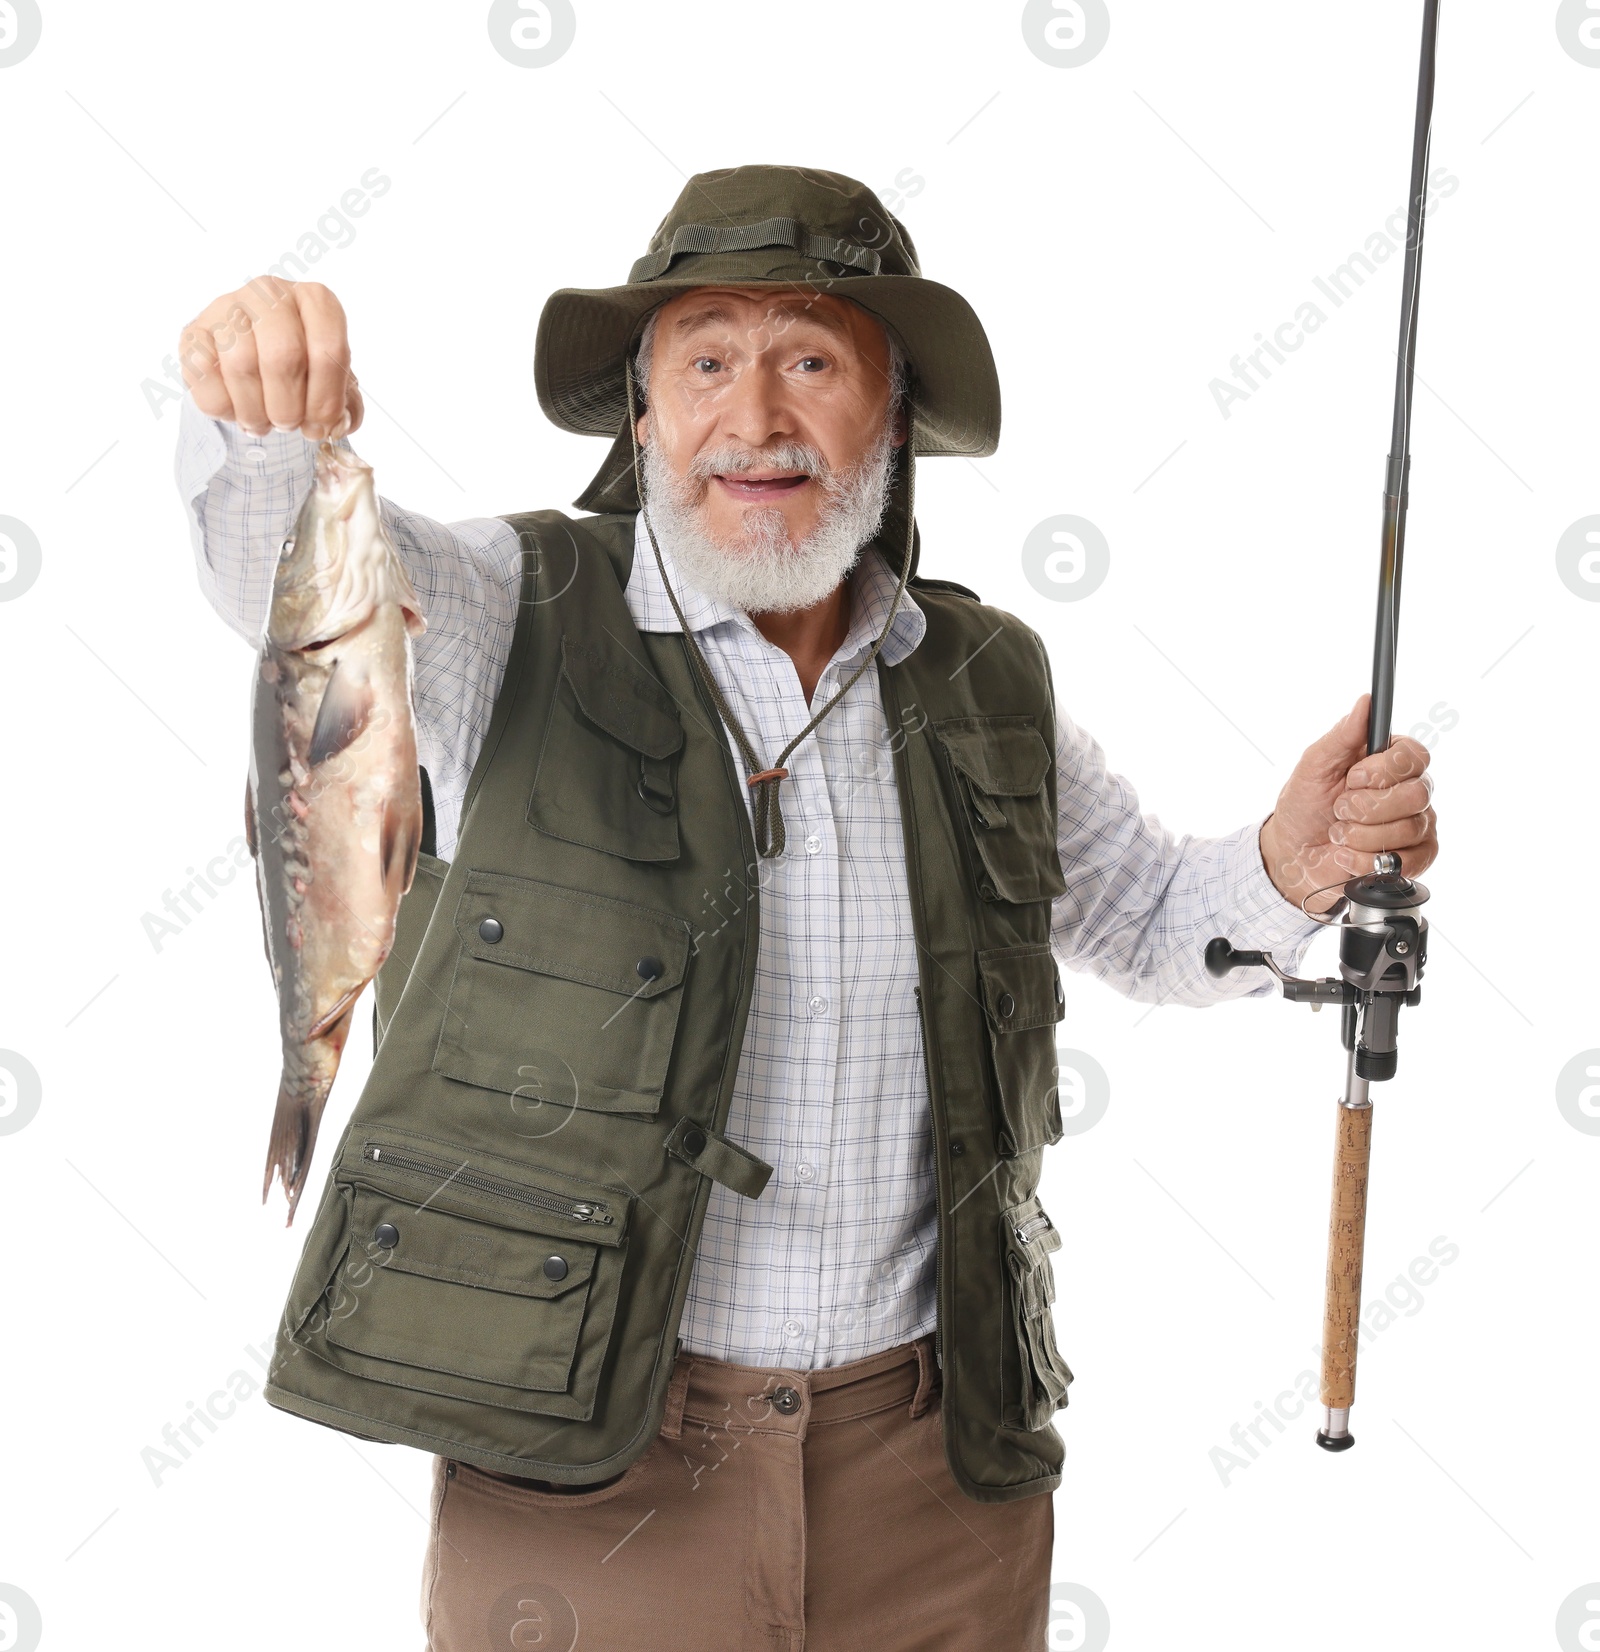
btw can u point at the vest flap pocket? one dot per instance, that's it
(628, 704)
(438, 1244)
(562, 999)
(999, 765)
(1003, 756)
(1023, 1001)
(484, 1279)
(607, 775)
(1038, 1388)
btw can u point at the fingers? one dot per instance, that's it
(274, 354)
(197, 360)
(327, 358)
(1403, 833)
(281, 359)
(234, 333)
(1400, 761)
(1414, 860)
(1373, 805)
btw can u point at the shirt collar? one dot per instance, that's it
(872, 584)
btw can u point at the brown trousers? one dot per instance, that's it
(783, 1511)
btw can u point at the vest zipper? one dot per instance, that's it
(554, 1204)
(1028, 1231)
(938, 1244)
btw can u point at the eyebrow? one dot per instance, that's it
(715, 312)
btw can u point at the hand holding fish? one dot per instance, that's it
(275, 355)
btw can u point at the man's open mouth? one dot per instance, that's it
(753, 486)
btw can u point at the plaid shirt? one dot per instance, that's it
(836, 1260)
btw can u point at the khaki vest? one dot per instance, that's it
(498, 1265)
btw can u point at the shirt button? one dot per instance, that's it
(793, 1328)
(813, 844)
(817, 1004)
(806, 1172)
(255, 454)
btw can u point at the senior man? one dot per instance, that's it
(770, 847)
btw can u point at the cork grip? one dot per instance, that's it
(1347, 1233)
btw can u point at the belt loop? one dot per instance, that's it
(677, 1396)
(926, 1372)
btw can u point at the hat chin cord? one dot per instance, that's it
(764, 781)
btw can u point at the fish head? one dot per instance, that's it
(339, 563)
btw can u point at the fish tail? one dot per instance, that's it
(294, 1136)
(308, 1073)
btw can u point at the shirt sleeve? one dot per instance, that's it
(1141, 904)
(243, 494)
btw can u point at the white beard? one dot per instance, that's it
(760, 570)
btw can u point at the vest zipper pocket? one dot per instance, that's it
(496, 1187)
(480, 1284)
(1038, 1387)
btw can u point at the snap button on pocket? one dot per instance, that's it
(785, 1400)
(694, 1142)
(1007, 1006)
(386, 1234)
(492, 931)
(647, 969)
(555, 1267)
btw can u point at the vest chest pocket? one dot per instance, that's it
(999, 764)
(1028, 1239)
(607, 775)
(1022, 1002)
(472, 1276)
(562, 999)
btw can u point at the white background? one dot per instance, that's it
(155, 157)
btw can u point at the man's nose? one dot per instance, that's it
(756, 409)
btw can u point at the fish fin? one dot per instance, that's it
(261, 899)
(326, 1026)
(399, 841)
(345, 710)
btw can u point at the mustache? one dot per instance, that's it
(797, 458)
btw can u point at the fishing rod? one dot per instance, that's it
(1383, 938)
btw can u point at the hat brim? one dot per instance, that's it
(584, 336)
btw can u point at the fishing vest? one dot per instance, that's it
(498, 1265)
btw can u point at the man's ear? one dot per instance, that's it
(899, 431)
(641, 424)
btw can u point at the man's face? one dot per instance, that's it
(739, 373)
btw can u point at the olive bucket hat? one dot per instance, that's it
(788, 227)
(802, 232)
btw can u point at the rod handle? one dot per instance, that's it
(1347, 1237)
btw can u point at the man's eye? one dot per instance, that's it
(819, 362)
(709, 363)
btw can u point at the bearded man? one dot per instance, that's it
(717, 1051)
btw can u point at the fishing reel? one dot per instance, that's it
(1383, 945)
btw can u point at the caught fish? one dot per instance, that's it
(333, 811)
